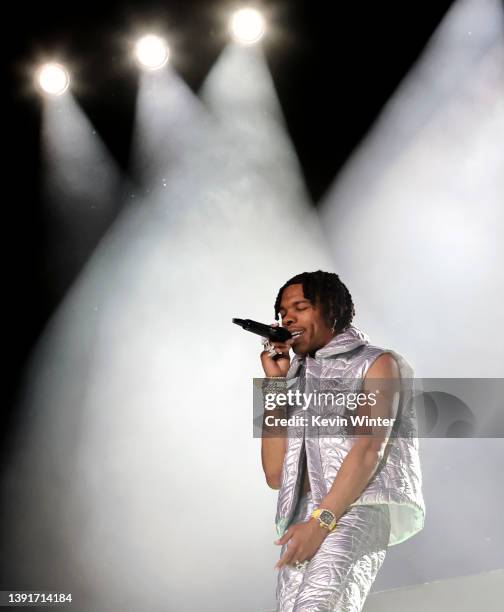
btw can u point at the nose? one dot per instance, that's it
(288, 320)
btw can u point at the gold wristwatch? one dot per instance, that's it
(326, 518)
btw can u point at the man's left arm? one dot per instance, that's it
(363, 458)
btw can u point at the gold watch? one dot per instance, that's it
(325, 517)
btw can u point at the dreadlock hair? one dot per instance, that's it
(325, 290)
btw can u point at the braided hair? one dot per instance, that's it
(326, 290)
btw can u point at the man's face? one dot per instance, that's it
(298, 313)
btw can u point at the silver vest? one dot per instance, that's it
(397, 480)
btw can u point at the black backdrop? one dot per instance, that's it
(334, 67)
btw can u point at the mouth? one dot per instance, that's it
(296, 334)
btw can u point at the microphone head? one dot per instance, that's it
(281, 334)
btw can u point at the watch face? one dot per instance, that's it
(326, 517)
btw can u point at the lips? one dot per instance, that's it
(296, 333)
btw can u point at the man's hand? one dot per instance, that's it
(304, 540)
(277, 365)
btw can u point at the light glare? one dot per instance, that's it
(53, 79)
(152, 52)
(247, 26)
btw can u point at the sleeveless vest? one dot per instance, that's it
(397, 480)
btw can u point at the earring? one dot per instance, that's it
(334, 325)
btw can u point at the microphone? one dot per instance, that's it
(276, 334)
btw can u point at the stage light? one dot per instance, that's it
(152, 52)
(53, 79)
(247, 26)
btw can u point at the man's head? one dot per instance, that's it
(313, 302)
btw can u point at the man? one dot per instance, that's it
(342, 499)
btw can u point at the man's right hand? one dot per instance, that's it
(277, 365)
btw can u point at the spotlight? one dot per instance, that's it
(152, 52)
(247, 26)
(53, 79)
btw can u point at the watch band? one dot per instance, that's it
(325, 517)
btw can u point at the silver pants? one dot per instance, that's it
(340, 574)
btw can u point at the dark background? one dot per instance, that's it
(334, 66)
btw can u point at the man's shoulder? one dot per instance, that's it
(375, 361)
(383, 366)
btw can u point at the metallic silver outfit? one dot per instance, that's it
(390, 509)
(340, 574)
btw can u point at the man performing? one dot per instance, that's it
(342, 499)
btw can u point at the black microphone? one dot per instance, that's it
(276, 334)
